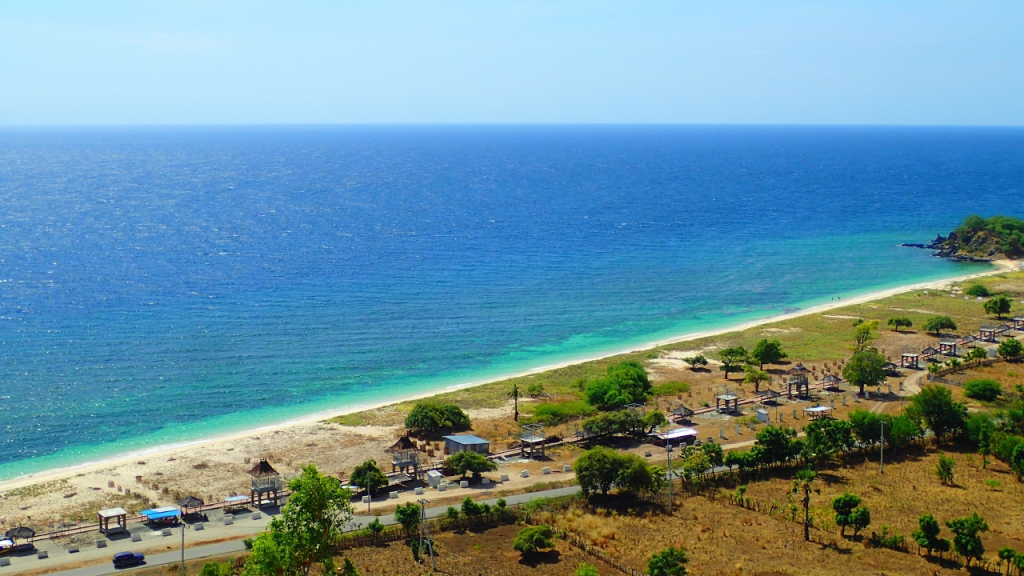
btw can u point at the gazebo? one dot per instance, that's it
(531, 436)
(987, 333)
(947, 347)
(265, 480)
(684, 413)
(726, 402)
(929, 353)
(20, 533)
(798, 377)
(1018, 322)
(910, 360)
(190, 505)
(968, 340)
(831, 382)
(118, 515)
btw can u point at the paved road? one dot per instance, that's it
(236, 546)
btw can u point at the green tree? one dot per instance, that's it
(375, 528)
(844, 505)
(408, 515)
(826, 438)
(927, 535)
(865, 368)
(777, 444)
(532, 539)
(733, 359)
(935, 405)
(860, 519)
(803, 486)
(900, 322)
(465, 462)
(597, 470)
(637, 477)
(1010, 349)
(985, 389)
(976, 354)
(303, 535)
(669, 562)
(768, 352)
(369, 476)
(1017, 460)
(713, 450)
(1007, 554)
(866, 425)
(998, 305)
(429, 417)
(936, 324)
(535, 390)
(349, 569)
(944, 469)
(977, 290)
(864, 334)
(625, 383)
(696, 361)
(980, 429)
(965, 540)
(585, 569)
(471, 509)
(756, 377)
(654, 419)
(901, 431)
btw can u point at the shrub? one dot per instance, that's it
(464, 462)
(670, 388)
(531, 539)
(408, 515)
(536, 389)
(696, 361)
(349, 569)
(1010, 349)
(844, 505)
(669, 562)
(586, 570)
(432, 418)
(599, 469)
(625, 382)
(216, 569)
(983, 389)
(893, 541)
(977, 290)
(927, 534)
(944, 469)
(552, 414)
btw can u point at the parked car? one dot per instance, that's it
(126, 559)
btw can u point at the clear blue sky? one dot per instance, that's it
(875, 62)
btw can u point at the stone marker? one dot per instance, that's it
(136, 538)
(796, 415)
(545, 470)
(198, 526)
(5, 561)
(256, 516)
(366, 499)
(524, 474)
(504, 477)
(567, 468)
(485, 481)
(73, 550)
(229, 520)
(647, 454)
(165, 532)
(737, 429)
(392, 495)
(442, 487)
(101, 543)
(418, 491)
(42, 554)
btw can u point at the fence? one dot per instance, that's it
(963, 366)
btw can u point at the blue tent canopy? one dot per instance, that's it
(160, 513)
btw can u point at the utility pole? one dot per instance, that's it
(881, 448)
(183, 548)
(425, 526)
(668, 453)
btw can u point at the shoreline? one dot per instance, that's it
(59, 473)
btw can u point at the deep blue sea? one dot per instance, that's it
(165, 284)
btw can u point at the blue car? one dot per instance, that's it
(126, 559)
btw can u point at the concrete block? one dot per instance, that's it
(392, 495)
(524, 474)
(366, 499)
(464, 484)
(198, 527)
(504, 477)
(136, 537)
(165, 532)
(73, 550)
(567, 468)
(545, 470)
(485, 481)
(5, 561)
(442, 487)
(417, 491)
(101, 543)
(257, 516)
(229, 520)
(42, 554)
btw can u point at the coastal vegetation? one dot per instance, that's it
(433, 418)
(979, 237)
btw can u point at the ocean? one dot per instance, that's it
(164, 284)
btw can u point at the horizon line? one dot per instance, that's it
(509, 124)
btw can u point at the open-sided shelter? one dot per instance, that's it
(910, 360)
(265, 481)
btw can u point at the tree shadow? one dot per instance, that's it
(541, 558)
(837, 548)
(947, 563)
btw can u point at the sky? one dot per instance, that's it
(550, 61)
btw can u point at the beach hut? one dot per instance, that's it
(404, 443)
(118, 515)
(190, 505)
(20, 533)
(265, 480)
(531, 437)
(1018, 322)
(675, 437)
(987, 333)
(798, 377)
(910, 360)
(947, 347)
(683, 413)
(466, 443)
(831, 382)
(818, 412)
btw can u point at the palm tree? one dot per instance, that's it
(514, 395)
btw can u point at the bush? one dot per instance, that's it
(625, 383)
(983, 389)
(944, 469)
(670, 388)
(586, 570)
(531, 539)
(432, 418)
(216, 569)
(408, 515)
(669, 562)
(1010, 349)
(599, 469)
(892, 541)
(551, 414)
(465, 462)
(349, 569)
(977, 290)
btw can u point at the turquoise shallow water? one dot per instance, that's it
(163, 285)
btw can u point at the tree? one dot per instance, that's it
(1010, 349)
(803, 486)
(464, 462)
(965, 540)
(596, 470)
(1017, 460)
(976, 354)
(866, 425)
(927, 534)
(755, 377)
(863, 335)
(637, 477)
(985, 389)
(1007, 554)
(654, 419)
(368, 475)
(713, 450)
(860, 518)
(935, 405)
(900, 322)
(514, 395)
(669, 562)
(980, 428)
(431, 418)
(733, 359)
(303, 535)
(532, 539)
(471, 509)
(902, 430)
(977, 290)
(535, 390)
(999, 305)
(936, 324)
(865, 368)
(585, 569)
(408, 515)
(625, 383)
(777, 444)
(696, 361)
(944, 469)
(375, 528)
(768, 352)
(826, 438)
(844, 505)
